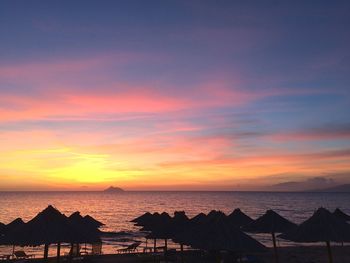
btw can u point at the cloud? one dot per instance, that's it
(330, 131)
(308, 184)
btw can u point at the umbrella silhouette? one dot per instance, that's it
(92, 221)
(167, 228)
(239, 219)
(272, 223)
(49, 227)
(154, 221)
(322, 226)
(7, 230)
(2, 227)
(215, 215)
(340, 214)
(87, 231)
(158, 224)
(180, 217)
(198, 218)
(18, 222)
(142, 219)
(84, 223)
(218, 235)
(87, 228)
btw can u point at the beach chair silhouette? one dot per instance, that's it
(131, 248)
(20, 254)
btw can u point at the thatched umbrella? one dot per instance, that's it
(161, 226)
(180, 217)
(10, 228)
(218, 235)
(340, 214)
(2, 227)
(198, 218)
(322, 226)
(85, 223)
(160, 232)
(141, 220)
(238, 218)
(215, 215)
(88, 229)
(168, 227)
(158, 224)
(49, 227)
(92, 221)
(18, 222)
(7, 230)
(180, 222)
(271, 223)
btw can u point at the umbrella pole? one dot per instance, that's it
(274, 246)
(218, 256)
(165, 250)
(154, 249)
(182, 253)
(58, 252)
(329, 252)
(71, 252)
(46, 251)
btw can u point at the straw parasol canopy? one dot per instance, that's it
(322, 226)
(166, 228)
(83, 223)
(340, 214)
(159, 225)
(142, 219)
(198, 218)
(155, 221)
(238, 218)
(218, 235)
(7, 230)
(215, 215)
(48, 227)
(270, 222)
(2, 227)
(92, 221)
(180, 216)
(86, 231)
(18, 222)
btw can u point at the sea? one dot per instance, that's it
(116, 210)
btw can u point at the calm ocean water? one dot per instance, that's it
(117, 209)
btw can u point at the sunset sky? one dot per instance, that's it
(173, 95)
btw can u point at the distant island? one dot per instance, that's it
(300, 187)
(344, 188)
(113, 189)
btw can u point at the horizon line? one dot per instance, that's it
(126, 191)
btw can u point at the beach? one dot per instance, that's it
(297, 254)
(117, 210)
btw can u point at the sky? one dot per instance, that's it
(173, 95)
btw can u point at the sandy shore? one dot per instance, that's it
(307, 254)
(286, 255)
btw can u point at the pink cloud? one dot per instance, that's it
(331, 131)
